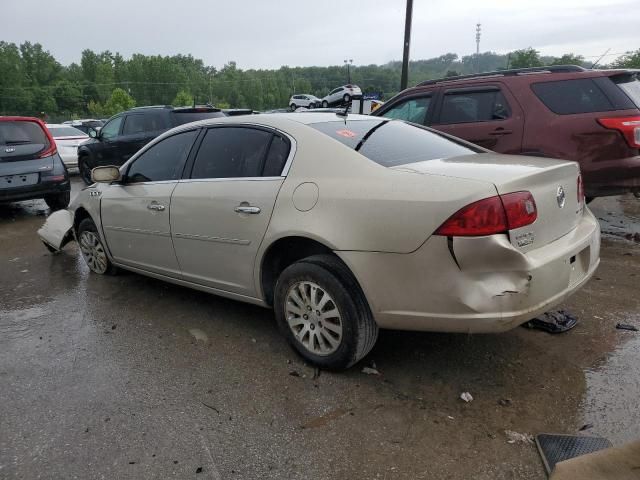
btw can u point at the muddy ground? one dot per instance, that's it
(130, 377)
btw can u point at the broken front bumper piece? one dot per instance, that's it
(57, 231)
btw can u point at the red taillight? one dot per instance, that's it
(580, 190)
(628, 126)
(491, 216)
(52, 148)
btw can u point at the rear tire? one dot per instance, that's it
(58, 201)
(346, 98)
(321, 289)
(84, 170)
(293, 107)
(93, 250)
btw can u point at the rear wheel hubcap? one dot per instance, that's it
(314, 318)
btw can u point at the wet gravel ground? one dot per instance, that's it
(130, 377)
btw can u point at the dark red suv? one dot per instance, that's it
(567, 112)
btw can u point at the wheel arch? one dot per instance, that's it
(283, 252)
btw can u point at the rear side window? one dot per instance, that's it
(392, 142)
(585, 95)
(180, 118)
(277, 157)
(162, 161)
(479, 106)
(231, 152)
(144, 122)
(412, 110)
(21, 133)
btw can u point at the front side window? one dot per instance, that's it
(467, 107)
(231, 152)
(412, 110)
(162, 161)
(111, 129)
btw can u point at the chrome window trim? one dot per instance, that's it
(232, 179)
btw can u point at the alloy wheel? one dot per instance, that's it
(93, 251)
(314, 318)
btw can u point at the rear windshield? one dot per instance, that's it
(66, 132)
(392, 142)
(187, 116)
(21, 133)
(584, 95)
(630, 84)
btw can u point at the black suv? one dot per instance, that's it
(126, 133)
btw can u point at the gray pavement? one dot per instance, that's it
(130, 377)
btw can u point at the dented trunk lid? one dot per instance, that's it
(548, 181)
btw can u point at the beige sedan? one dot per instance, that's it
(343, 225)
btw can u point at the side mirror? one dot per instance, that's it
(93, 133)
(105, 174)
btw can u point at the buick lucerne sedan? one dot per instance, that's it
(343, 225)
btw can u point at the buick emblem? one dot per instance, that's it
(9, 150)
(560, 196)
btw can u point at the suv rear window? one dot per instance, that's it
(585, 95)
(187, 116)
(629, 84)
(66, 132)
(392, 142)
(21, 133)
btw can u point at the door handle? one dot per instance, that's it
(156, 207)
(500, 131)
(247, 209)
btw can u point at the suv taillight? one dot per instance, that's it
(628, 126)
(491, 216)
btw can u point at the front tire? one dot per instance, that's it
(84, 170)
(346, 98)
(58, 201)
(93, 250)
(323, 314)
(325, 104)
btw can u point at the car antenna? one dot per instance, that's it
(600, 58)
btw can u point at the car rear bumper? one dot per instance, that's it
(486, 285)
(33, 191)
(612, 177)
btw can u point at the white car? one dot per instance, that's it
(341, 95)
(342, 224)
(67, 140)
(304, 100)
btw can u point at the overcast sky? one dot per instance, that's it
(271, 33)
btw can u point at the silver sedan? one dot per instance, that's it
(343, 225)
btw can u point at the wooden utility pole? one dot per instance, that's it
(407, 41)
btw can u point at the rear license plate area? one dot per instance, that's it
(579, 265)
(16, 181)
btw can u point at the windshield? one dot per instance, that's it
(66, 132)
(392, 143)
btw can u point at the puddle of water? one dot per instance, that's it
(199, 334)
(612, 393)
(20, 323)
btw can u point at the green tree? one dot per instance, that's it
(119, 101)
(182, 99)
(628, 60)
(528, 57)
(568, 59)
